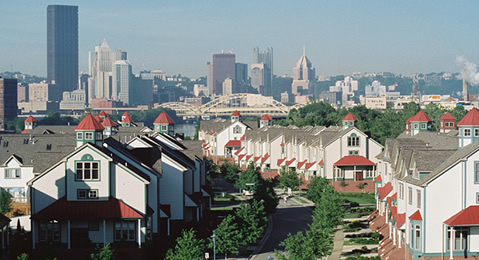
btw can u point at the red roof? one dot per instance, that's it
(239, 151)
(353, 160)
(25, 131)
(384, 191)
(308, 165)
(465, 217)
(394, 196)
(242, 138)
(164, 118)
(103, 113)
(280, 161)
(420, 117)
(248, 157)
(471, 118)
(321, 162)
(447, 116)
(265, 157)
(108, 122)
(290, 161)
(378, 178)
(241, 156)
(109, 209)
(300, 164)
(400, 219)
(390, 198)
(394, 212)
(127, 118)
(98, 118)
(350, 117)
(233, 143)
(236, 113)
(30, 118)
(256, 158)
(416, 216)
(266, 118)
(89, 123)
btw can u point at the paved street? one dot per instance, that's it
(289, 218)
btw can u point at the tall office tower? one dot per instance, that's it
(303, 76)
(122, 81)
(223, 67)
(62, 47)
(104, 64)
(265, 58)
(241, 73)
(209, 77)
(8, 100)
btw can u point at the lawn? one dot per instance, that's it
(358, 197)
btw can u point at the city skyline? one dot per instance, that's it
(179, 38)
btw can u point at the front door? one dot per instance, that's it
(79, 237)
(359, 176)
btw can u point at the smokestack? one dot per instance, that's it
(465, 92)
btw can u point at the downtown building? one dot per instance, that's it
(62, 49)
(427, 190)
(8, 100)
(223, 67)
(262, 71)
(303, 79)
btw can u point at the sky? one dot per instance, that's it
(179, 37)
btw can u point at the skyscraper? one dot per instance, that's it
(303, 76)
(62, 47)
(223, 67)
(8, 100)
(122, 81)
(262, 68)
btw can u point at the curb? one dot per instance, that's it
(265, 237)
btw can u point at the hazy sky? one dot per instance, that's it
(180, 36)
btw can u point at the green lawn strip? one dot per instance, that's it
(222, 208)
(300, 199)
(358, 197)
(361, 241)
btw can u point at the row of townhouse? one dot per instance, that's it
(105, 182)
(336, 152)
(428, 190)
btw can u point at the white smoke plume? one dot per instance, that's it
(472, 76)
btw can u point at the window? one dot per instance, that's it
(87, 194)
(93, 225)
(476, 172)
(25, 141)
(477, 197)
(353, 140)
(79, 135)
(467, 132)
(50, 231)
(49, 147)
(164, 128)
(99, 136)
(476, 132)
(409, 194)
(125, 230)
(414, 126)
(12, 174)
(423, 125)
(418, 198)
(88, 136)
(237, 129)
(401, 191)
(87, 171)
(353, 153)
(417, 237)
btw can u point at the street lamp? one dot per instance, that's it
(214, 245)
(299, 187)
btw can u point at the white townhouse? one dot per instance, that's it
(93, 195)
(428, 191)
(221, 138)
(336, 153)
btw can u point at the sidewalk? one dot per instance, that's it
(338, 244)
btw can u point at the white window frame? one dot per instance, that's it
(13, 173)
(79, 135)
(409, 191)
(467, 132)
(125, 230)
(417, 237)
(88, 136)
(80, 172)
(418, 194)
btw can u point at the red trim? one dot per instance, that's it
(321, 162)
(400, 220)
(447, 116)
(239, 151)
(248, 157)
(242, 138)
(353, 160)
(233, 143)
(378, 178)
(468, 216)
(383, 191)
(350, 117)
(164, 118)
(265, 157)
(89, 123)
(308, 165)
(266, 118)
(300, 164)
(420, 117)
(241, 156)
(280, 161)
(416, 216)
(290, 161)
(471, 118)
(256, 158)
(236, 113)
(30, 118)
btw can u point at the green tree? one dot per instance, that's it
(317, 187)
(5, 201)
(212, 171)
(251, 218)
(188, 246)
(266, 195)
(230, 171)
(251, 175)
(297, 247)
(105, 253)
(228, 240)
(23, 256)
(329, 211)
(289, 179)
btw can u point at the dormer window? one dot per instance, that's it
(467, 132)
(423, 125)
(164, 128)
(237, 129)
(353, 140)
(88, 136)
(79, 136)
(87, 171)
(12, 174)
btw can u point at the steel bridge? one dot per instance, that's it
(246, 104)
